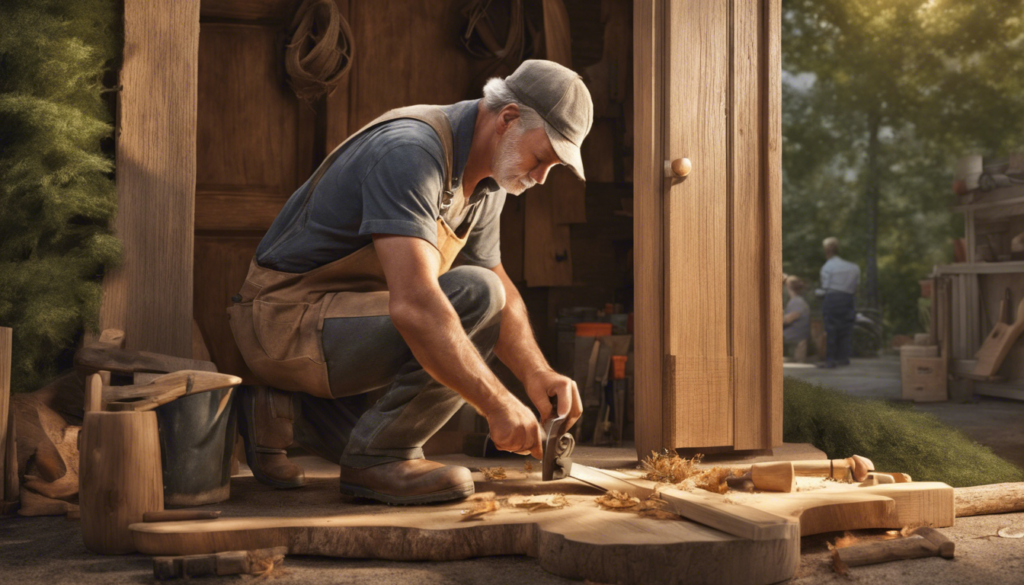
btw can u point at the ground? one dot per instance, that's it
(49, 550)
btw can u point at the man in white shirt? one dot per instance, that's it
(839, 280)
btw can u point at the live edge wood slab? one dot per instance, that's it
(582, 540)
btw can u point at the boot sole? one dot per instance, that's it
(458, 492)
(252, 457)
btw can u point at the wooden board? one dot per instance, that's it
(547, 258)
(150, 296)
(580, 541)
(998, 343)
(6, 345)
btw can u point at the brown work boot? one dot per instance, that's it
(416, 481)
(265, 418)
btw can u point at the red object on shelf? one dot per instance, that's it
(593, 329)
(619, 367)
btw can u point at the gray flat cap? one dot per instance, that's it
(563, 100)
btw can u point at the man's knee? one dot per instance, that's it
(472, 289)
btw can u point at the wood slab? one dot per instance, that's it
(580, 541)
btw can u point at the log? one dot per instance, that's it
(883, 552)
(947, 548)
(997, 498)
(121, 477)
(238, 562)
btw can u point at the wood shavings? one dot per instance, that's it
(527, 466)
(616, 500)
(538, 503)
(669, 467)
(843, 541)
(494, 473)
(1005, 532)
(482, 509)
(655, 508)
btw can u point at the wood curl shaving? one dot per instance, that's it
(669, 467)
(480, 510)
(655, 508)
(538, 503)
(494, 473)
(616, 500)
(1005, 532)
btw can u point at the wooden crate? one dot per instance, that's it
(924, 378)
(911, 351)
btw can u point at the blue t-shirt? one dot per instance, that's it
(388, 180)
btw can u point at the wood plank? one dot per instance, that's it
(697, 260)
(547, 258)
(222, 263)
(698, 412)
(336, 105)
(249, 9)
(513, 226)
(648, 227)
(773, 189)
(6, 346)
(568, 199)
(149, 296)
(748, 332)
(219, 211)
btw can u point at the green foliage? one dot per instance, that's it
(932, 79)
(894, 437)
(57, 190)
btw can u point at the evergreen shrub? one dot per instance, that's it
(57, 197)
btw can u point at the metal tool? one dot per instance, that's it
(558, 464)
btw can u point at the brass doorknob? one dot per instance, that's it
(678, 168)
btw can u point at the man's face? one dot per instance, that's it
(523, 159)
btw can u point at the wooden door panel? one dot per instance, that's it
(697, 223)
(707, 87)
(221, 264)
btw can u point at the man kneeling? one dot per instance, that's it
(352, 289)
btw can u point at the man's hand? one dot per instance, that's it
(514, 428)
(542, 385)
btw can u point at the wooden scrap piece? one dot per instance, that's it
(915, 547)
(947, 548)
(238, 562)
(165, 389)
(103, 356)
(539, 503)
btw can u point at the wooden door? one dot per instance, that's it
(708, 246)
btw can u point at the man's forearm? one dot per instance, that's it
(431, 328)
(517, 347)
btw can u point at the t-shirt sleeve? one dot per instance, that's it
(483, 247)
(400, 193)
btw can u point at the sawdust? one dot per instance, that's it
(682, 473)
(527, 466)
(616, 500)
(539, 503)
(494, 473)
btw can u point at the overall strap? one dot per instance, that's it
(431, 115)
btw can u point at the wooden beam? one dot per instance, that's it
(6, 346)
(150, 296)
(648, 218)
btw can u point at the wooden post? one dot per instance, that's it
(150, 296)
(6, 344)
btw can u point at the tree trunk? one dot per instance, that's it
(871, 195)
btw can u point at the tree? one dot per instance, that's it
(881, 97)
(57, 194)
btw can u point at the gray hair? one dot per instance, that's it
(497, 95)
(831, 245)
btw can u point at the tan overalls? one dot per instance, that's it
(277, 324)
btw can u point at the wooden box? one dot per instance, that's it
(924, 378)
(911, 351)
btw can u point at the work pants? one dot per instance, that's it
(367, 353)
(839, 315)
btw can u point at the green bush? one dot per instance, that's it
(893, 436)
(57, 191)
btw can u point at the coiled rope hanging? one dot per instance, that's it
(320, 51)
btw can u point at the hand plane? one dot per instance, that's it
(558, 464)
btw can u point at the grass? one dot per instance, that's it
(892, 435)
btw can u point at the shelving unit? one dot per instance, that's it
(975, 288)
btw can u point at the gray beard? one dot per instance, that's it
(507, 158)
